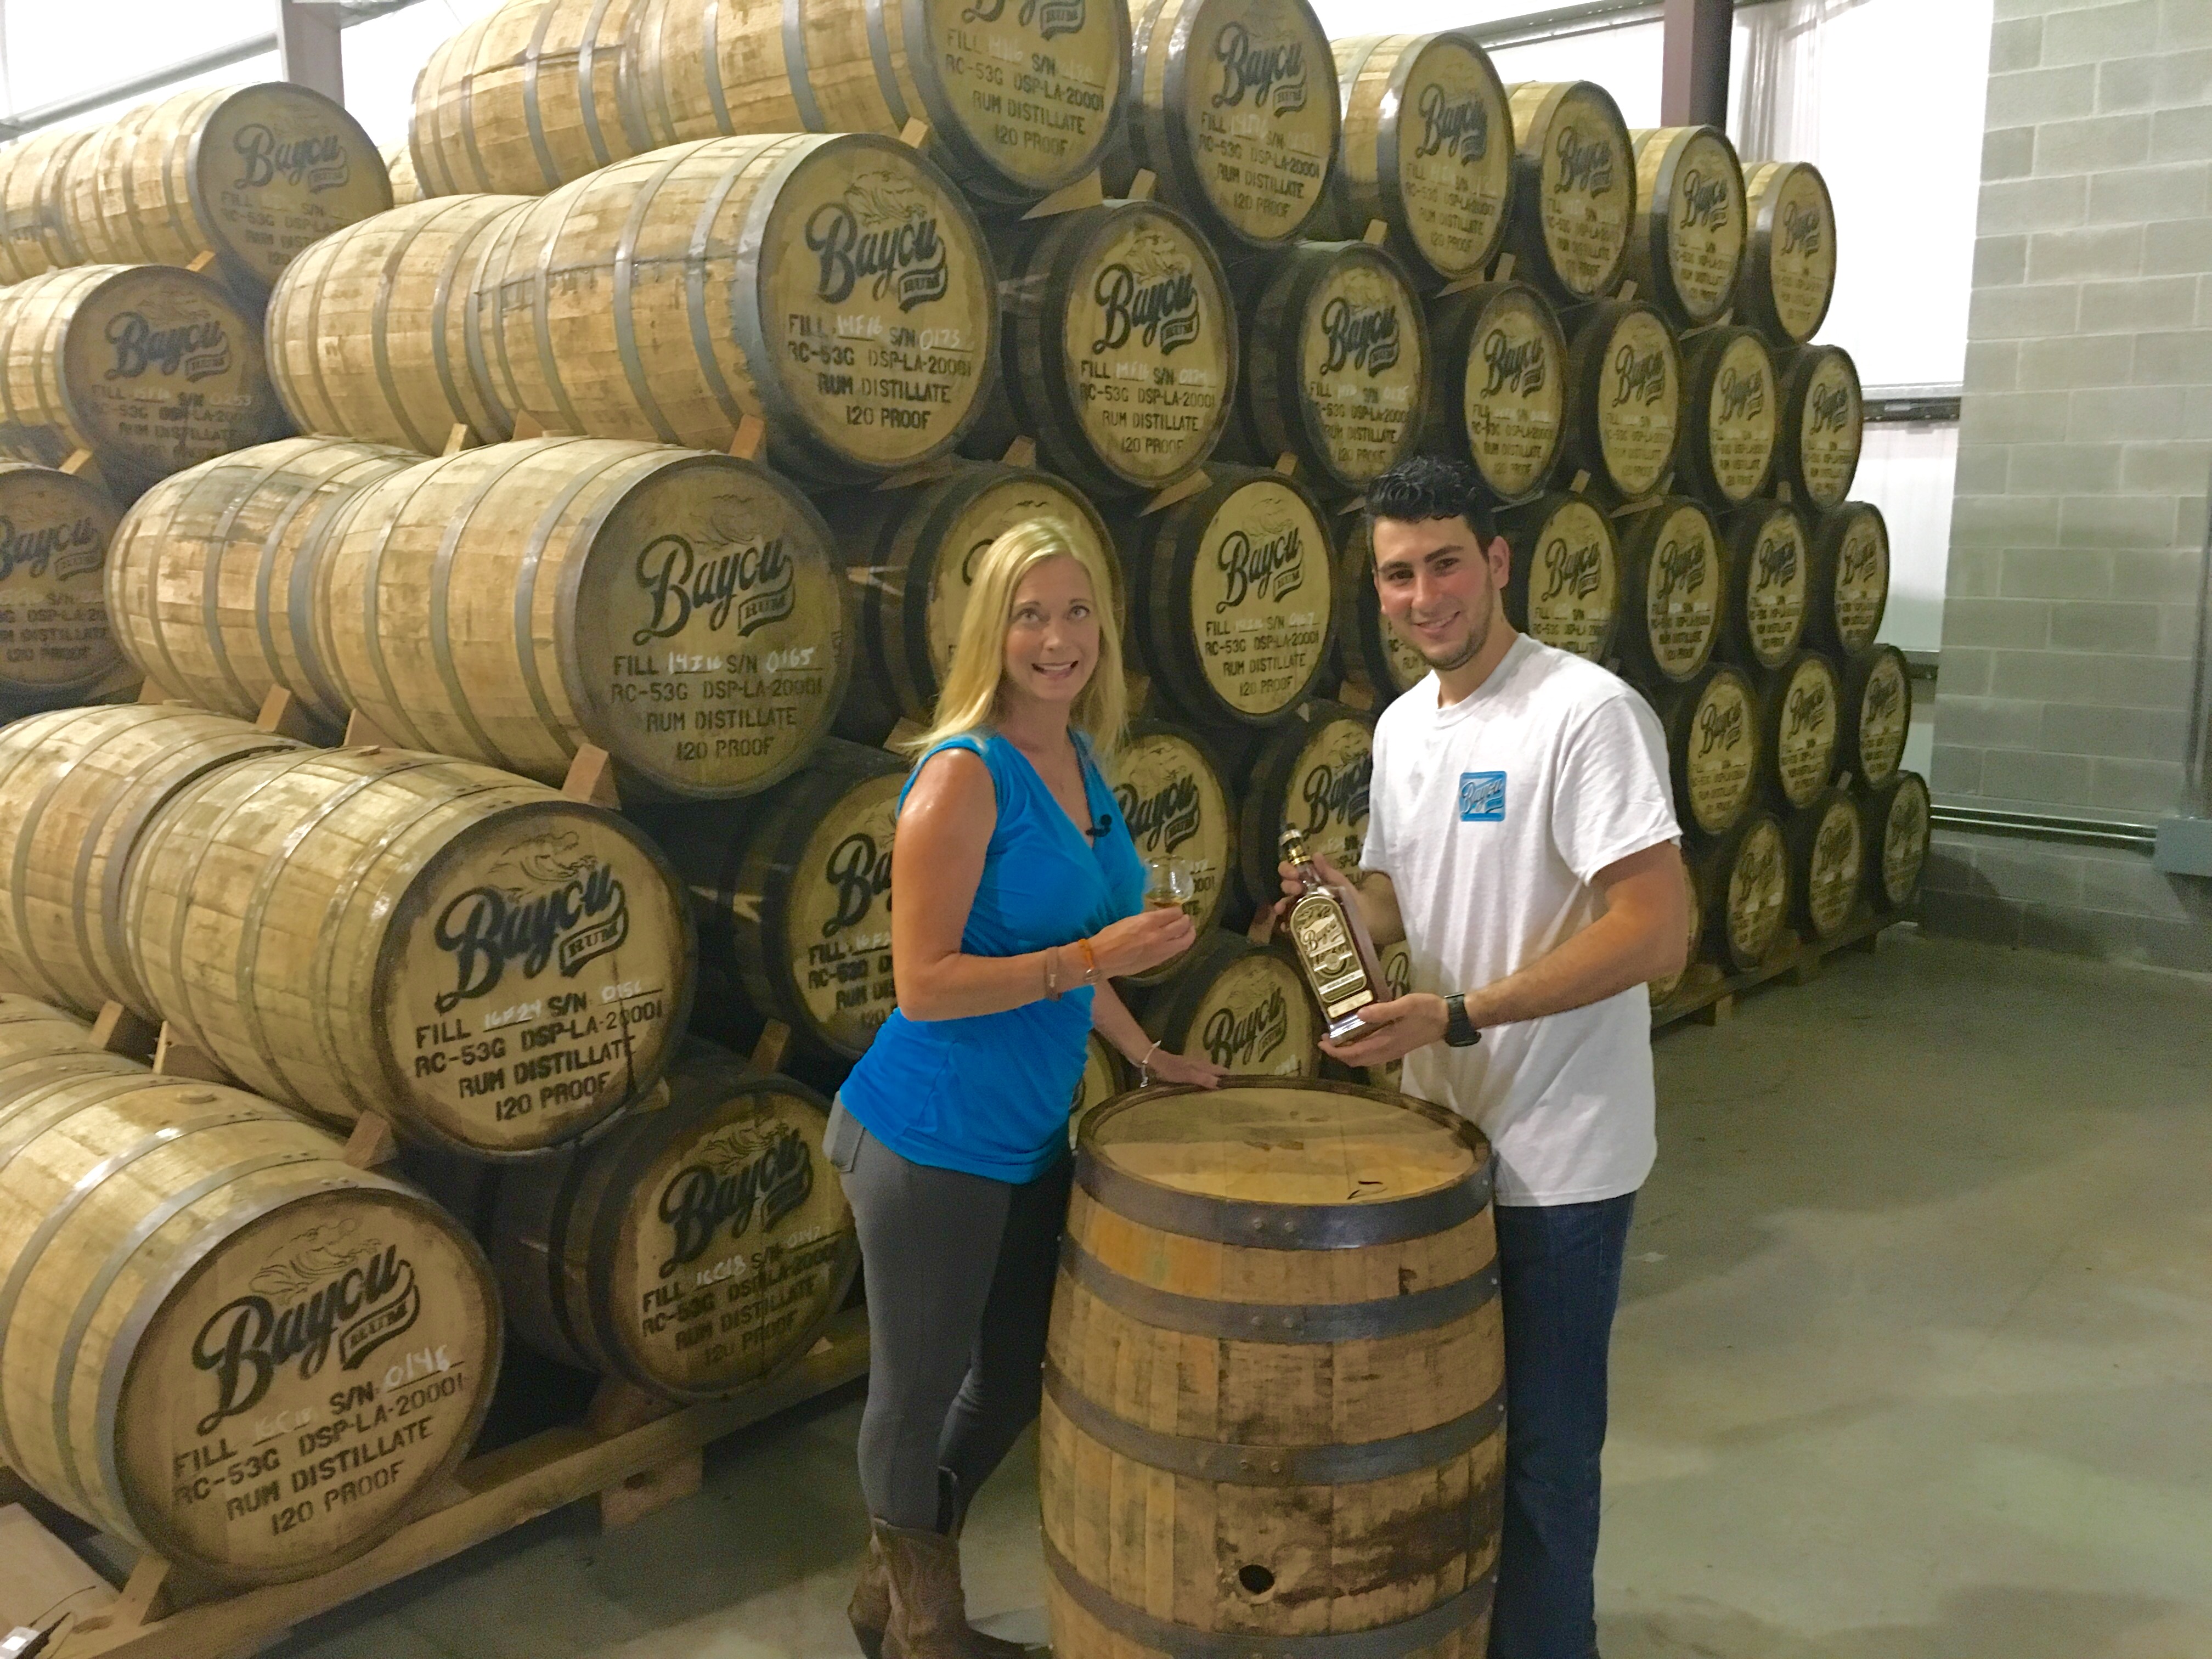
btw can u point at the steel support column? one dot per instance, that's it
(307, 35)
(1694, 79)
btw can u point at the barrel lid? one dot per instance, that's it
(1690, 191)
(1740, 407)
(1315, 775)
(1831, 856)
(1807, 721)
(1513, 397)
(1637, 394)
(54, 532)
(1756, 902)
(1772, 582)
(1682, 568)
(1571, 136)
(1793, 273)
(1067, 60)
(1853, 542)
(1291, 1164)
(1879, 707)
(1362, 361)
(1903, 838)
(1565, 581)
(1824, 427)
(1453, 139)
(277, 166)
(837, 927)
(1258, 596)
(1717, 750)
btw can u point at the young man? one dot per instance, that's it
(1523, 843)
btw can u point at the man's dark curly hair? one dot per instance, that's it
(1430, 487)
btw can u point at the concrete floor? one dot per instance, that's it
(1914, 1362)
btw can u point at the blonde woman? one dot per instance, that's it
(1016, 898)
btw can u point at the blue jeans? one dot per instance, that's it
(1559, 1273)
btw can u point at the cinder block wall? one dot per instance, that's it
(2085, 443)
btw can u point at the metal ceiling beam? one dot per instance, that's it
(1693, 86)
(307, 50)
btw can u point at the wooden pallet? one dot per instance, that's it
(1707, 994)
(632, 1454)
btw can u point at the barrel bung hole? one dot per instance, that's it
(1256, 1578)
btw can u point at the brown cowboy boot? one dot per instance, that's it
(870, 1609)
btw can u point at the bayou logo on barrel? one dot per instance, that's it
(1051, 18)
(733, 576)
(744, 1172)
(883, 232)
(1572, 569)
(1515, 366)
(1776, 563)
(1720, 726)
(1638, 376)
(1272, 72)
(1740, 393)
(1151, 292)
(1679, 568)
(1810, 709)
(1586, 163)
(1704, 201)
(327, 1290)
(1166, 818)
(319, 162)
(63, 550)
(192, 348)
(1828, 407)
(1756, 886)
(1801, 224)
(1458, 127)
(1361, 325)
(1237, 1042)
(858, 873)
(1337, 793)
(560, 906)
(1268, 560)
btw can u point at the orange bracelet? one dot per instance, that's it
(1089, 962)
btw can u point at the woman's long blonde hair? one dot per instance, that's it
(970, 696)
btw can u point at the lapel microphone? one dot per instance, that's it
(1103, 828)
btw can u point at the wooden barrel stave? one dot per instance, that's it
(1624, 403)
(1895, 815)
(1498, 398)
(1686, 248)
(327, 927)
(1565, 582)
(369, 330)
(1673, 592)
(1790, 258)
(78, 789)
(1769, 583)
(1574, 188)
(1713, 752)
(55, 533)
(1745, 877)
(668, 297)
(1823, 426)
(146, 1222)
(1241, 1004)
(210, 578)
(619, 558)
(1877, 703)
(1731, 416)
(1851, 577)
(34, 233)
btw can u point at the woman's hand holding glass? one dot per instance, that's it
(1142, 942)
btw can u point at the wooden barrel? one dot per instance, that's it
(792, 894)
(1020, 99)
(1225, 1378)
(1877, 714)
(911, 557)
(1731, 416)
(1827, 864)
(1499, 398)
(1176, 804)
(400, 168)
(1823, 425)
(149, 368)
(210, 578)
(1851, 577)
(1712, 748)
(57, 642)
(1105, 1075)
(219, 1340)
(1745, 877)
(1242, 1006)
(491, 966)
(1235, 597)
(530, 96)
(694, 1251)
(1897, 832)
(1566, 583)
(1314, 774)
(1624, 403)
(1233, 107)
(1801, 724)
(35, 1033)
(1770, 585)
(78, 790)
(1686, 251)
(835, 286)
(511, 603)
(369, 330)
(1673, 590)
(1371, 649)
(1789, 257)
(250, 174)
(1664, 987)
(1117, 346)
(1574, 188)
(1427, 148)
(1336, 365)
(34, 233)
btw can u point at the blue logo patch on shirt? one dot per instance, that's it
(1482, 797)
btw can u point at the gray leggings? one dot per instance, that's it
(959, 1274)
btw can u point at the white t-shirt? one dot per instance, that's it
(1490, 817)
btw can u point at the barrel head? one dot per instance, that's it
(278, 166)
(54, 534)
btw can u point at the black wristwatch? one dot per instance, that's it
(1460, 1031)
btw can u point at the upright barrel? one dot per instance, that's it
(1427, 149)
(1687, 249)
(1574, 188)
(34, 233)
(1770, 585)
(78, 790)
(210, 578)
(1790, 259)
(1020, 99)
(57, 641)
(1850, 577)
(694, 1251)
(1235, 597)
(369, 330)
(511, 603)
(530, 96)
(492, 967)
(1565, 585)
(249, 174)
(1712, 749)
(835, 286)
(1731, 416)
(1673, 592)
(1315, 774)
(1336, 365)
(1624, 397)
(1233, 107)
(1248, 1276)
(1117, 347)
(1823, 425)
(219, 1340)
(1896, 833)
(1877, 714)
(1177, 803)
(1242, 1006)
(1498, 397)
(149, 368)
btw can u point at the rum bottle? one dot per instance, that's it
(1333, 945)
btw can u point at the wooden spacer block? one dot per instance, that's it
(1869, 943)
(1502, 270)
(924, 473)
(745, 442)
(370, 1142)
(1175, 492)
(201, 261)
(1375, 234)
(914, 135)
(1085, 192)
(1718, 1011)
(528, 426)
(80, 462)
(591, 778)
(1580, 484)
(1021, 452)
(1139, 687)
(653, 1098)
(903, 733)
(142, 1602)
(1782, 491)
(617, 1407)
(1355, 692)
(459, 436)
(767, 1053)
(1262, 926)
(1142, 186)
(656, 1489)
(175, 1057)
(285, 716)
(362, 732)
(1804, 970)
(1287, 464)
(151, 693)
(1626, 290)
(121, 1031)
